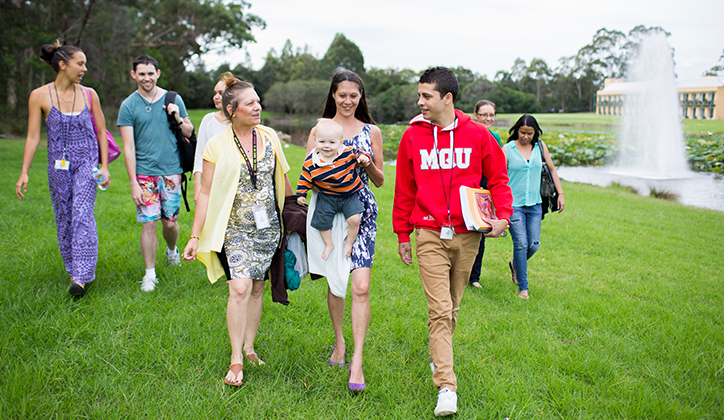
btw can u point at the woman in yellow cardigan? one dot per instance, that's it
(237, 225)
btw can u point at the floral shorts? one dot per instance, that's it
(161, 197)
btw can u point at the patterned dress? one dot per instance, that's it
(73, 192)
(363, 251)
(249, 250)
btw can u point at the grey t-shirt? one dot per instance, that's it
(156, 149)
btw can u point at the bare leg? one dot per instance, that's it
(236, 318)
(352, 230)
(170, 233)
(360, 320)
(256, 303)
(149, 244)
(336, 313)
(328, 244)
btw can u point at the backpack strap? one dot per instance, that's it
(173, 126)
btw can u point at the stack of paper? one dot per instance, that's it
(477, 205)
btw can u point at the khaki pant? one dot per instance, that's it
(445, 270)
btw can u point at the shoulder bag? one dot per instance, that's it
(113, 150)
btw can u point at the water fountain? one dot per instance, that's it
(651, 149)
(652, 142)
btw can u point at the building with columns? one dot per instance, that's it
(701, 98)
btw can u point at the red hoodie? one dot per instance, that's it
(421, 186)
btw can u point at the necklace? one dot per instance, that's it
(72, 107)
(148, 104)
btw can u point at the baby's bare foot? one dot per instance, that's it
(327, 250)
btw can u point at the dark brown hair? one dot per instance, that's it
(362, 112)
(526, 120)
(444, 80)
(145, 59)
(54, 53)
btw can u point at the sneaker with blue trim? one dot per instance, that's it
(447, 403)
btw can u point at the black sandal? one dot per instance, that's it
(76, 290)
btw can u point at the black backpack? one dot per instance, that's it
(186, 147)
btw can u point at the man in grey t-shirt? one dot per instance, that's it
(152, 162)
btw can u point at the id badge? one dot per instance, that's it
(446, 232)
(260, 216)
(62, 164)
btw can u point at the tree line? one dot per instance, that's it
(293, 81)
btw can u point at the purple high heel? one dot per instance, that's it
(334, 364)
(353, 386)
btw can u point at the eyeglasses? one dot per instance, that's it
(486, 115)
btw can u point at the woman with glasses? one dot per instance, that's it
(484, 113)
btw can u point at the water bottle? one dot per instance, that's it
(99, 176)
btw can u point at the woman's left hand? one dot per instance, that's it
(561, 203)
(190, 251)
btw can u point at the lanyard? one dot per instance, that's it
(252, 169)
(452, 165)
(70, 117)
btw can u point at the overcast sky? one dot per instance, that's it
(483, 36)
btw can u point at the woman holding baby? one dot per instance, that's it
(346, 104)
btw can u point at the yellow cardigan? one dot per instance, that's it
(221, 150)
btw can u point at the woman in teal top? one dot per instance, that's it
(523, 155)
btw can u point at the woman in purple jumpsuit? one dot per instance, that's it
(73, 151)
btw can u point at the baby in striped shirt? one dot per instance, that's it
(332, 169)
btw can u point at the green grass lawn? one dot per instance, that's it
(625, 321)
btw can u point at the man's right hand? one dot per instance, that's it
(136, 194)
(405, 251)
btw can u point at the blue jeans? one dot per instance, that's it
(525, 232)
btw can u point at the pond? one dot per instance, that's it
(295, 127)
(697, 189)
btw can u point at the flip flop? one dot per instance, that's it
(238, 374)
(254, 359)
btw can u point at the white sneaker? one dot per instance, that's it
(148, 283)
(173, 257)
(447, 403)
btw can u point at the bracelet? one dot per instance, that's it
(194, 237)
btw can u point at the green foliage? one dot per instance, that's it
(398, 103)
(506, 100)
(297, 96)
(705, 153)
(342, 54)
(111, 33)
(379, 80)
(391, 136)
(580, 148)
(614, 328)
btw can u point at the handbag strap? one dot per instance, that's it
(540, 149)
(90, 107)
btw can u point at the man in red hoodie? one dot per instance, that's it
(442, 150)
